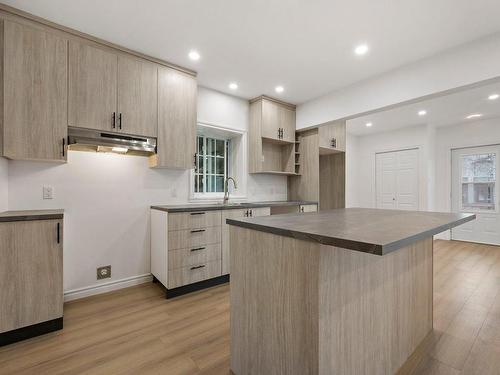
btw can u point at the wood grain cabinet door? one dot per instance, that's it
(137, 97)
(35, 93)
(31, 273)
(333, 131)
(287, 123)
(270, 120)
(92, 87)
(177, 96)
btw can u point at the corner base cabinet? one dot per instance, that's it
(31, 275)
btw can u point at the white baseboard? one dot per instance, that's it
(71, 295)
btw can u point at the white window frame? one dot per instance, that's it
(236, 166)
(205, 159)
(460, 170)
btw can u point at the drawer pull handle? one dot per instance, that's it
(198, 249)
(197, 267)
(198, 231)
(197, 213)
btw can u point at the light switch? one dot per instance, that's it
(48, 192)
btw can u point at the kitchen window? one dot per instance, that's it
(211, 164)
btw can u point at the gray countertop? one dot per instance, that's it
(220, 206)
(28, 215)
(368, 230)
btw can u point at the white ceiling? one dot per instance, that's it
(441, 111)
(304, 45)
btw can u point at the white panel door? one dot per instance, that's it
(474, 190)
(397, 180)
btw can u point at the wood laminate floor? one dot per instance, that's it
(137, 331)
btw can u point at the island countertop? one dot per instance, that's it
(374, 231)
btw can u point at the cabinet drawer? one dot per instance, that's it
(193, 256)
(308, 208)
(182, 239)
(193, 220)
(193, 274)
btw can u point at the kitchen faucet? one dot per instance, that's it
(226, 190)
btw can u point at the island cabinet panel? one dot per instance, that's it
(302, 308)
(31, 273)
(35, 93)
(92, 87)
(137, 109)
(177, 96)
(235, 214)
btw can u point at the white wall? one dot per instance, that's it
(107, 199)
(457, 67)
(3, 185)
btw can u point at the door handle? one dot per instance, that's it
(113, 122)
(120, 121)
(58, 232)
(64, 147)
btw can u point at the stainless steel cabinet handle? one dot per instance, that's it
(198, 249)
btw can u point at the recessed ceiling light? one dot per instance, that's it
(194, 55)
(423, 112)
(279, 89)
(493, 96)
(368, 124)
(361, 50)
(121, 150)
(474, 115)
(233, 86)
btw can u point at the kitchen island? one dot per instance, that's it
(345, 291)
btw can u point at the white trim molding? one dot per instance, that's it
(71, 295)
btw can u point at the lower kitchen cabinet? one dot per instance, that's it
(235, 214)
(31, 276)
(190, 250)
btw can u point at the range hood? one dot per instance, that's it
(100, 141)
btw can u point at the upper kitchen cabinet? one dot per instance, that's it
(332, 137)
(271, 137)
(277, 119)
(35, 94)
(177, 97)
(137, 97)
(112, 92)
(92, 87)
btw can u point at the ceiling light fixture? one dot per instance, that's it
(474, 115)
(279, 89)
(233, 86)
(361, 50)
(493, 97)
(194, 55)
(423, 112)
(121, 150)
(368, 124)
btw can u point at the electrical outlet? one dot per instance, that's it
(103, 272)
(48, 192)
